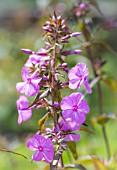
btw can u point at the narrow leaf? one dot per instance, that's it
(86, 130)
(42, 121)
(75, 166)
(111, 82)
(72, 147)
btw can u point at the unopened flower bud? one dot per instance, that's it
(27, 51)
(75, 34)
(47, 28)
(82, 6)
(64, 65)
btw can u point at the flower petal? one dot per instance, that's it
(41, 139)
(25, 114)
(83, 107)
(22, 103)
(20, 87)
(30, 89)
(66, 103)
(72, 137)
(25, 73)
(38, 156)
(32, 144)
(86, 84)
(76, 98)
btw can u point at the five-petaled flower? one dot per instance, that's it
(25, 113)
(75, 107)
(30, 86)
(79, 75)
(43, 147)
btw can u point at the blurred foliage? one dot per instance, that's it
(20, 27)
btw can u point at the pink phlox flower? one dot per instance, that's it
(37, 58)
(43, 147)
(24, 112)
(68, 129)
(75, 108)
(30, 86)
(79, 75)
(40, 56)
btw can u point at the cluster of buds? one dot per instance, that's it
(81, 9)
(57, 29)
(40, 76)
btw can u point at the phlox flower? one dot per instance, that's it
(79, 75)
(37, 58)
(23, 111)
(74, 107)
(68, 128)
(30, 86)
(43, 147)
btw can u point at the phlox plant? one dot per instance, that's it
(41, 78)
(46, 74)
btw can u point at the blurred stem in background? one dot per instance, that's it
(99, 91)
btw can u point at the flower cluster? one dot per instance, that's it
(41, 78)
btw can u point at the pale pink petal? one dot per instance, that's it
(76, 98)
(22, 103)
(30, 89)
(66, 103)
(72, 137)
(83, 107)
(78, 117)
(25, 74)
(72, 73)
(36, 81)
(28, 63)
(20, 87)
(74, 83)
(19, 119)
(32, 144)
(25, 114)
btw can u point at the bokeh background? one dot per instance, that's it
(21, 27)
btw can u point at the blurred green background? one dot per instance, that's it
(21, 24)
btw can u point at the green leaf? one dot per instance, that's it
(102, 119)
(72, 147)
(75, 166)
(89, 160)
(86, 130)
(111, 82)
(100, 165)
(42, 121)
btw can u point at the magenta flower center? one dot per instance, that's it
(75, 107)
(40, 148)
(29, 80)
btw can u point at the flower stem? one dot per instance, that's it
(100, 102)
